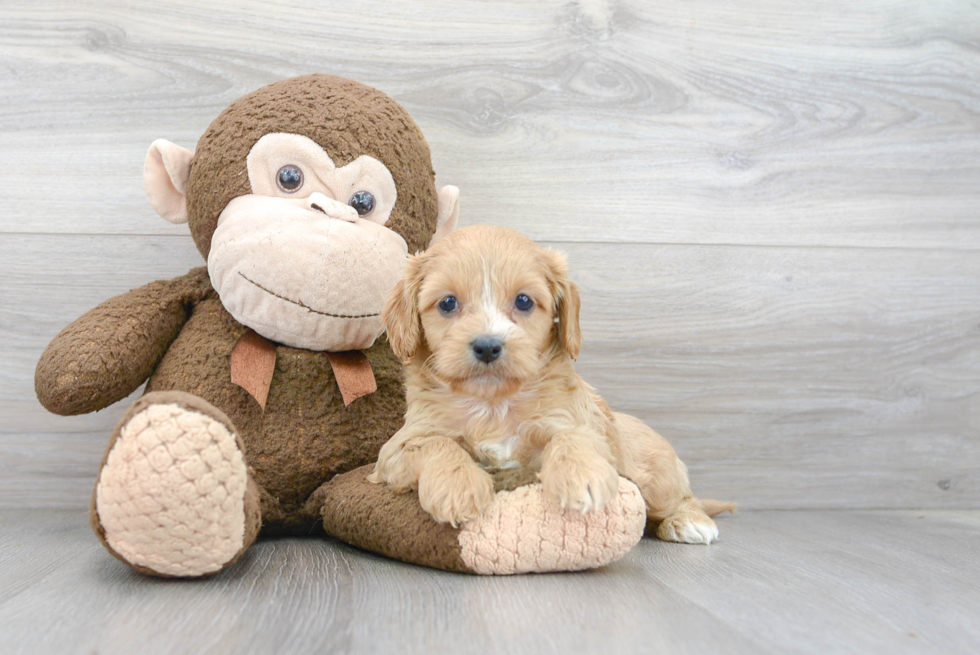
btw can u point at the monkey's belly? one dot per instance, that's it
(305, 436)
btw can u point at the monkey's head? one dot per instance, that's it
(305, 197)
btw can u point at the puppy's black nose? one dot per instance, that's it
(487, 349)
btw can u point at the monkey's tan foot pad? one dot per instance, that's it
(520, 532)
(171, 495)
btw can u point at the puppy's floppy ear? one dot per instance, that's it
(400, 315)
(567, 304)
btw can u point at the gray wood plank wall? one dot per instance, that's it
(773, 208)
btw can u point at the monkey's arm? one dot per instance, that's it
(106, 354)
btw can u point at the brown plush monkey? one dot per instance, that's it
(267, 373)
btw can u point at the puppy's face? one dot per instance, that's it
(487, 317)
(485, 307)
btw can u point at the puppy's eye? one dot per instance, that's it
(289, 178)
(523, 302)
(448, 305)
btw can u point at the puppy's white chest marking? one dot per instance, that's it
(500, 454)
(495, 454)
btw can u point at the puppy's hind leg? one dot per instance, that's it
(688, 524)
(673, 513)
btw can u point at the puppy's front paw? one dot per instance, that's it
(455, 494)
(393, 465)
(582, 484)
(395, 473)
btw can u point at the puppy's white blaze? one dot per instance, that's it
(495, 322)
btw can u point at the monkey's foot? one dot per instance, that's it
(173, 496)
(522, 531)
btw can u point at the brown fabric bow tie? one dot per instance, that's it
(253, 362)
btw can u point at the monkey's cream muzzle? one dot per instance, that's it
(301, 277)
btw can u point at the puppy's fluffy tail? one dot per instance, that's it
(716, 507)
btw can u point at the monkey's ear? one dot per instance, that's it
(165, 174)
(400, 315)
(448, 213)
(567, 304)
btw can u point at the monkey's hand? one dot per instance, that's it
(107, 353)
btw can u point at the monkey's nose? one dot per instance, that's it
(487, 349)
(323, 203)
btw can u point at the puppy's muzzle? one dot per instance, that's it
(487, 349)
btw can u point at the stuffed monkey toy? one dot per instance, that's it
(270, 387)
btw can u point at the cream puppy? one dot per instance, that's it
(488, 325)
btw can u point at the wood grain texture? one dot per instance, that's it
(789, 123)
(777, 582)
(771, 207)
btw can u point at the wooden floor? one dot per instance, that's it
(778, 582)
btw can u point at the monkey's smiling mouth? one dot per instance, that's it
(300, 303)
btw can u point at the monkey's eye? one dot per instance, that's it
(289, 178)
(363, 202)
(523, 302)
(448, 305)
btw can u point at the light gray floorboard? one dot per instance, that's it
(777, 582)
